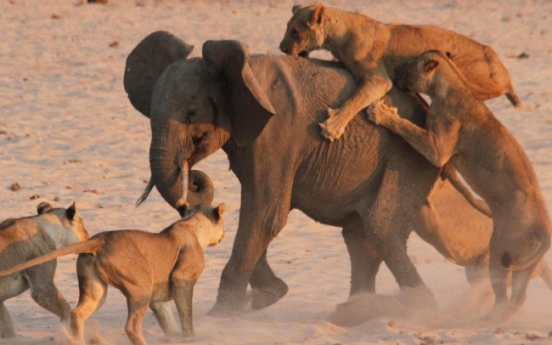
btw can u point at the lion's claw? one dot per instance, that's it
(332, 128)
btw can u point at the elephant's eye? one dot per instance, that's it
(197, 140)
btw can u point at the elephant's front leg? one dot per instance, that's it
(262, 215)
(267, 287)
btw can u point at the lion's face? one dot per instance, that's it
(304, 31)
(417, 75)
(217, 233)
(207, 221)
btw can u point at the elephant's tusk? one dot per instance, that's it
(184, 182)
(145, 194)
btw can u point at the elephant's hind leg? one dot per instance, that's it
(6, 323)
(403, 192)
(267, 287)
(365, 259)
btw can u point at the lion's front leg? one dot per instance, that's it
(165, 317)
(183, 292)
(436, 143)
(375, 87)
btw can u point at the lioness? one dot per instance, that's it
(149, 269)
(30, 237)
(463, 240)
(372, 50)
(462, 130)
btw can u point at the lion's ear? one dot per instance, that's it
(317, 15)
(71, 211)
(296, 8)
(430, 66)
(43, 207)
(219, 211)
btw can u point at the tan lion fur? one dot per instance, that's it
(26, 238)
(461, 130)
(372, 50)
(461, 234)
(149, 269)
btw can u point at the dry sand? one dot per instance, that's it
(68, 132)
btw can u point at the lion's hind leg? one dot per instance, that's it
(137, 309)
(44, 291)
(92, 293)
(9, 287)
(520, 280)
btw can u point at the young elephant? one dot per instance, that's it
(149, 269)
(462, 130)
(372, 50)
(30, 237)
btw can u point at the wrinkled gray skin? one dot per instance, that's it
(156, 52)
(263, 111)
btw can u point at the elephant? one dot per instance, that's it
(263, 111)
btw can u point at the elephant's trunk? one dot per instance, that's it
(200, 188)
(168, 163)
(169, 154)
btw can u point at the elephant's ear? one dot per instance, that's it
(145, 64)
(249, 105)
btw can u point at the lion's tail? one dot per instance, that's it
(90, 246)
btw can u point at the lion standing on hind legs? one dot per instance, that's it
(372, 50)
(462, 130)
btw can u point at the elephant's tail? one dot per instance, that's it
(145, 64)
(449, 172)
(90, 246)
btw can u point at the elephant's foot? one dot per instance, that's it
(227, 305)
(266, 296)
(501, 312)
(224, 310)
(7, 333)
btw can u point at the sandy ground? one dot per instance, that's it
(68, 132)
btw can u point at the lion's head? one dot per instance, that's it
(304, 31)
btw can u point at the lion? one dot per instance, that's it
(26, 238)
(461, 240)
(372, 50)
(460, 129)
(149, 269)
